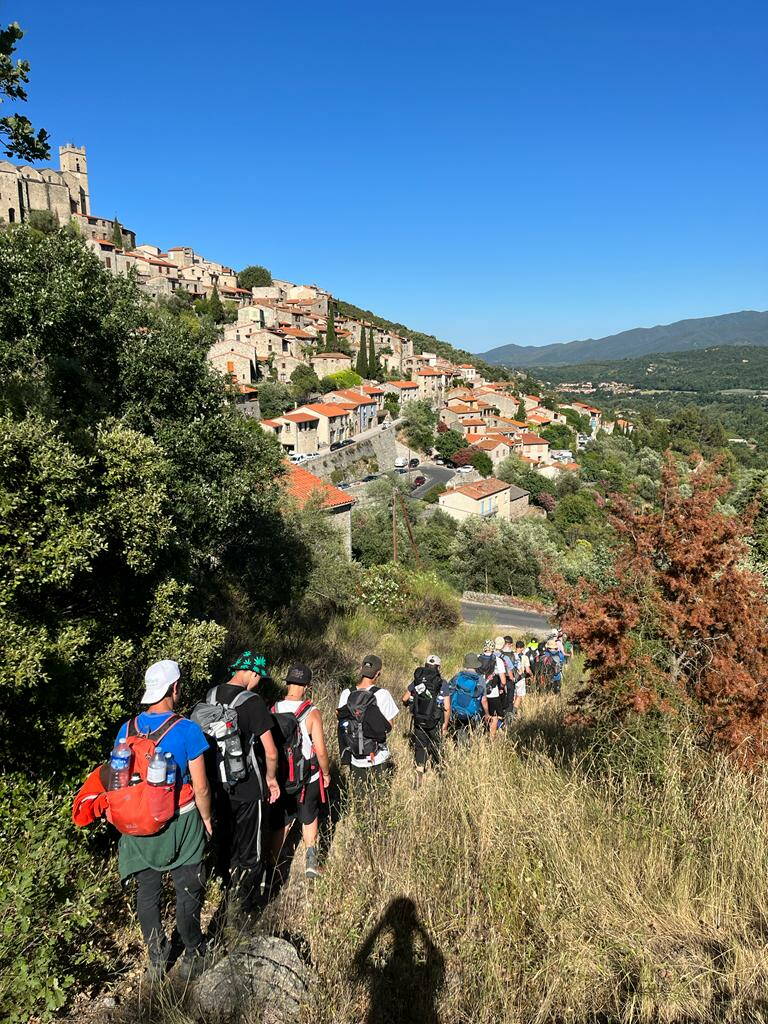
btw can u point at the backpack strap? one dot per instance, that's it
(162, 730)
(241, 698)
(303, 710)
(210, 697)
(132, 727)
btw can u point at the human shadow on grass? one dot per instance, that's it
(405, 977)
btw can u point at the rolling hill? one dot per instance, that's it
(748, 327)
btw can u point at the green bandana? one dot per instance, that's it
(250, 662)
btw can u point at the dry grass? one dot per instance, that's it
(537, 879)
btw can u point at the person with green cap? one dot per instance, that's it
(240, 806)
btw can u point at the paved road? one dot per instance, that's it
(529, 622)
(433, 474)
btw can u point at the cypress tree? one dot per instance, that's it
(215, 308)
(373, 366)
(330, 331)
(117, 234)
(361, 367)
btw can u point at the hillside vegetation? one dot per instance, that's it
(748, 327)
(721, 368)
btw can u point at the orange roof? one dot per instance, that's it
(370, 389)
(515, 423)
(302, 485)
(354, 396)
(489, 443)
(473, 421)
(300, 417)
(403, 384)
(573, 466)
(481, 489)
(429, 372)
(533, 398)
(454, 405)
(296, 332)
(466, 366)
(327, 409)
(272, 423)
(105, 241)
(528, 438)
(331, 355)
(472, 438)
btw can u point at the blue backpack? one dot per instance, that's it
(465, 704)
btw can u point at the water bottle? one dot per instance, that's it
(234, 760)
(156, 770)
(120, 766)
(170, 770)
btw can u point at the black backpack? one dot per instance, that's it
(487, 665)
(425, 707)
(294, 768)
(363, 729)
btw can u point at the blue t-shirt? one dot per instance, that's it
(185, 741)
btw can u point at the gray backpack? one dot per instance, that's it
(219, 723)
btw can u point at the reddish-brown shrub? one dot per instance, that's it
(684, 625)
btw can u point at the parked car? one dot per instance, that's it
(401, 462)
(439, 462)
(336, 445)
(413, 463)
(371, 476)
(418, 481)
(347, 442)
(297, 459)
(466, 469)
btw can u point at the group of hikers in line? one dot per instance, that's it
(257, 771)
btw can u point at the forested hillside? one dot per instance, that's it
(720, 368)
(748, 327)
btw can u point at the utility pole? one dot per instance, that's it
(408, 526)
(394, 529)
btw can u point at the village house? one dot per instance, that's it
(431, 384)
(531, 446)
(325, 363)
(376, 393)
(237, 359)
(485, 499)
(495, 446)
(304, 487)
(336, 422)
(298, 432)
(406, 390)
(362, 407)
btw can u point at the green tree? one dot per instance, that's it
(331, 341)
(43, 220)
(481, 461)
(304, 383)
(215, 307)
(392, 405)
(361, 366)
(16, 131)
(254, 277)
(373, 362)
(559, 436)
(274, 398)
(578, 517)
(117, 234)
(521, 413)
(420, 423)
(340, 380)
(449, 442)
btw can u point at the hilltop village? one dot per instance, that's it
(360, 376)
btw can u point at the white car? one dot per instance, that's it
(401, 462)
(298, 459)
(466, 469)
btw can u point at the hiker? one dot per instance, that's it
(425, 698)
(494, 671)
(304, 771)
(510, 659)
(178, 848)
(365, 716)
(549, 665)
(245, 773)
(466, 703)
(522, 675)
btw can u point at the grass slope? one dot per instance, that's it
(541, 879)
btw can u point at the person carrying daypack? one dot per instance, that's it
(495, 669)
(466, 702)
(242, 749)
(365, 714)
(522, 675)
(304, 772)
(155, 791)
(549, 665)
(425, 698)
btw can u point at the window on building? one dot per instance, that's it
(108, 262)
(11, 215)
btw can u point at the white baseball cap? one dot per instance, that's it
(158, 679)
(433, 659)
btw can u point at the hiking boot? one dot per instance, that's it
(191, 966)
(311, 868)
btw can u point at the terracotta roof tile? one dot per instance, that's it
(327, 409)
(481, 489)
(301, 417)
(302, 485)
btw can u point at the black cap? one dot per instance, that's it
(371, 665)
(299, 675)
(509, 639)
(519, 644)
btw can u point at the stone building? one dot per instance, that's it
(486, 499)
(62, 193)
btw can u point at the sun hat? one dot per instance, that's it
(249, 662)
(498, 642)
(433, 659)
(472, 662)
(158, 679)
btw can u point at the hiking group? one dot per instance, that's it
(243, 774)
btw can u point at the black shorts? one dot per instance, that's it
(287, 809)
(495, 706)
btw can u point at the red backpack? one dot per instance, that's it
(141, 809)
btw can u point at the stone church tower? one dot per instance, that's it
(62, 192)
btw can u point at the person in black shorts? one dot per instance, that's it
(303, 807)
(426, 700)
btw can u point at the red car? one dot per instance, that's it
(418, 481)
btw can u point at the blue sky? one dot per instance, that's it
(487, 172)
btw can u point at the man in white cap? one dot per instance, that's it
(179, 847)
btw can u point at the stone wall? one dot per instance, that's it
(380, 446)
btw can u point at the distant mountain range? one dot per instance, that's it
(749, 327)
